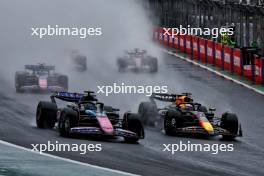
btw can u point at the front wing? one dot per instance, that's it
(97, 131)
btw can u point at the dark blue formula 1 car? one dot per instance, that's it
(85, 115)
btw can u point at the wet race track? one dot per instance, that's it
(147, 157)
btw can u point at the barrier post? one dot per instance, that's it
(179, 42)
(253, 72)
(205, 51)
(241, 64)
(198, 48)
(213, 52)
(222, 57)
(262, 70)
(191, 45)
(232, 60)
(184, 44)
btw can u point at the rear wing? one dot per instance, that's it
(167, 97)
(40, 67)
(67, 96)
(87, 96)
(163, 97)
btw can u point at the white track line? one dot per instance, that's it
(214, 71)
(68, 160)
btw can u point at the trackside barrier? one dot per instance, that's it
(210, 58)
(237, 61)
(202, 49)
(195, 47)
(227, 58)
(210, 52)
(182, 43)
(166, 40)
(257, 77)
(188, 44)
(161, 35)
(218, 55)
(176, 42)
(171, 41)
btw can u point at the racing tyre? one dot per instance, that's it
(132, 123)
(229, 121)
(170, 122)
(68, 119)
(63, 81)
(153, 65)
(121, 65)
(148, 113)
(46, 115)
(19, 80)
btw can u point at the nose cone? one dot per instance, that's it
(207, 126)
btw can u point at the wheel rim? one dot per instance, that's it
(166, 125)
(173, 122)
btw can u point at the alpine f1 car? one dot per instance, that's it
(183, 116)
(85, 115)
(137, 61)
(40, 77)
(79, 61)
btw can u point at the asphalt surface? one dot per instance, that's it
(147, 157)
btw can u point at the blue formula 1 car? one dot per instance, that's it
(85, 115)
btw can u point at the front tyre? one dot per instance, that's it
(148, 113)
(131, 122)
(170, 123)
(46, 115)
(229, 122)
(68, 120)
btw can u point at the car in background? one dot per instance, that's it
(41, 78)
(137, 61)
(78, 61)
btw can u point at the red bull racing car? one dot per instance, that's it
(85, 115)
(40, 77)
(183, 116)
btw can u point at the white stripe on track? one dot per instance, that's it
(67, 160)
(214, 71)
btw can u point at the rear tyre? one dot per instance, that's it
(68, 120)
(46, 115)
(148, 113)
(170, 122)
(63, 82)
(132, 123)
(153, 65)
(19, 80)
(229, 122)
(121, 63)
